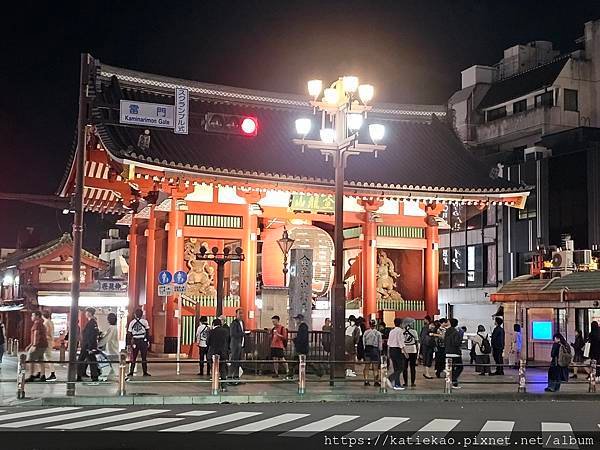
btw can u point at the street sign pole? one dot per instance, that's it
(179, 300)
(180, 279)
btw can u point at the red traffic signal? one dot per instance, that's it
(231, 124)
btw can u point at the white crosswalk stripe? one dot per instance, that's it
(107, 419)
(39, 412)
(59, 417)
(215, 421)
(265, 424)
(557, 430)
(497, 429)
(379, 426)
(195, 413)
(320, 425)
(439, 426)
(157, 421)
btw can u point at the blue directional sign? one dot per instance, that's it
(164, 277)
(180, 277)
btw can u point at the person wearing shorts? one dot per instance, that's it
(373, 343)
(37, 348)
(49, 325)
(279, 337)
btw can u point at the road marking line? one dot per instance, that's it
(107, 419)
(143, 424)
(498, 426)
(60, 418)
(38, 412)
(380, 425)
(195, 413)
(266, 423)
(562, 430)
(439, 426)
(212, 422)
(320, 425)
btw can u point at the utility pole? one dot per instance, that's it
(82, 123)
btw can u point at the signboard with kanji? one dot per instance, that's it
(314, 204)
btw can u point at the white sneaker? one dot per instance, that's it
(398, 388)
(352, 374)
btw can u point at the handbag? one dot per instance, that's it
(586, 349)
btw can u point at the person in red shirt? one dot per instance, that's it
(279, 339)
(37, 348)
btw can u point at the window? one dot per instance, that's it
(497, 113)
(520, 106)
(571, 103)
(468, 255)
(545, 99)
(530, 210)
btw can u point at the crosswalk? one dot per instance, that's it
(247, 422)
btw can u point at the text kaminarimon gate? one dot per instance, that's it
(216, 186)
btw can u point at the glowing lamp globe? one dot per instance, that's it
(303, 126)
(366, 92)
(350, 83)
(327, 135)
(376, 131)
(330, 95)
(354, 121)
(314, 88)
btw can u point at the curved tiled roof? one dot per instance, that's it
(422, 154)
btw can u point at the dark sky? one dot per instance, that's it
(412, 51)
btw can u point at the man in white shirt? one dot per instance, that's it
(201, 337)
(139, 330)
(397, 353)
(50, 336)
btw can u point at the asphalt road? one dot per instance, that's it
(306, 426)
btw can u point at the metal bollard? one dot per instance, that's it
(522, 376)
(21, 376)
(9, 346)
(215, 386)
(62, 351)
(383, 370)
(448, 383)
(302, 374)
(592, 385)
(15, 351)
(122, 372)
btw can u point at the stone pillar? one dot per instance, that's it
(175, 262)
(132, 286)
(431, 268)
(369, 268)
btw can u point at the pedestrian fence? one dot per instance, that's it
(219, 381)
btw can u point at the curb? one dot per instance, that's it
(307, 398)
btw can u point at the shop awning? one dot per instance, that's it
(86, 299)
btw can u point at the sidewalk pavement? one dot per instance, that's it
(166, 387)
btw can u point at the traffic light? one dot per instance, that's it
(231, 124)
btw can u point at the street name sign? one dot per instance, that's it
(147, 114)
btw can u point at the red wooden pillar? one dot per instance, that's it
(431, 266)
(174, 261)
(132, 286)
(369, 258)
(151, 274)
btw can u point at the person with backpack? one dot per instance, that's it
(440, 346)
(482, 348)
(89, 346)
(498, 346)
(411, 345)
(373, 344)
(452, 344)
(351, 338)
(139, 330)
(279, 341)
(558, 372)
(578, 346)
(201, 337)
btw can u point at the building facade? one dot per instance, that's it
(533, 119)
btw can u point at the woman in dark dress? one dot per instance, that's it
(594, 340)
(556, 373)
(577, 350)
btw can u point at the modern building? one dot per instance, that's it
(533, 119)
(234, 178)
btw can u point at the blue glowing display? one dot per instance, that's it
(542, 330)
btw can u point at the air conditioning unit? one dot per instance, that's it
(563, 260)
(582, 257)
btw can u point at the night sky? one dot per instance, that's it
(412, 51)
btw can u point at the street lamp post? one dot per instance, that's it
(220, 259)
(285, 244)
(343, 108)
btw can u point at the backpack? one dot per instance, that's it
(486, 347)
(564, 356)
(409, 338)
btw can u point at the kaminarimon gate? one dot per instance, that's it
(216, 186)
